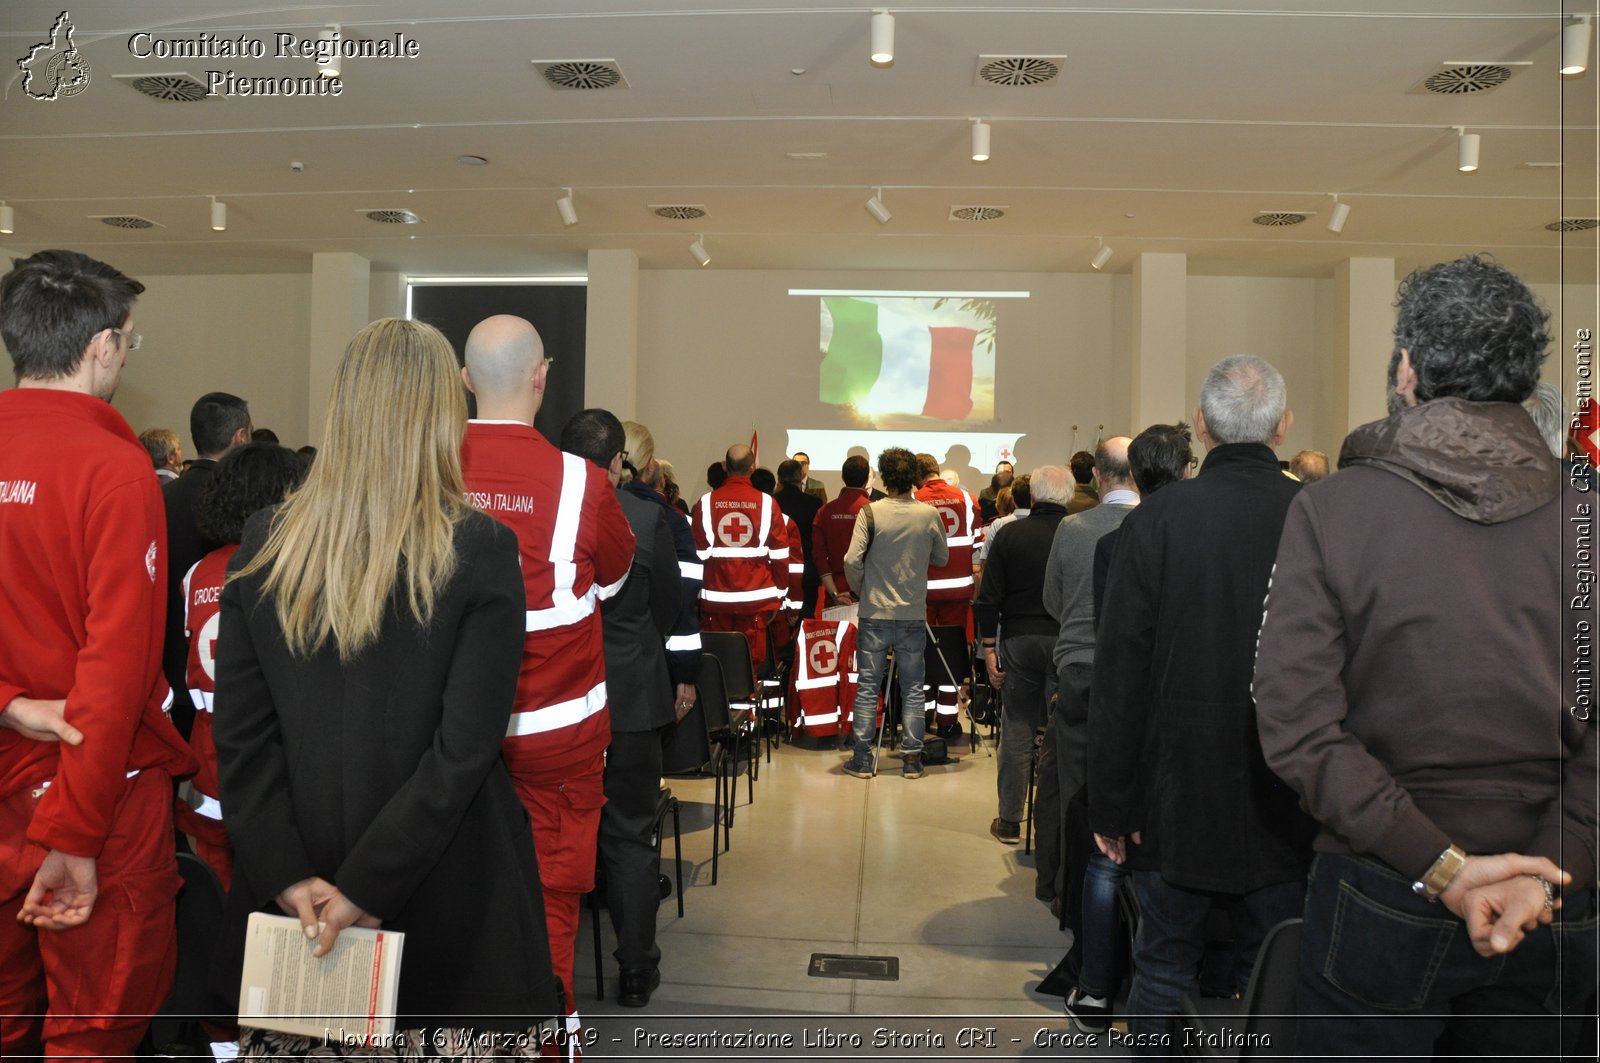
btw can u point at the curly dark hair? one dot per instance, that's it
(1473, 330)
(247, 479)
(897, 469)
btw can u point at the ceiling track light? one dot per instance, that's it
(1467, 150)
(569, 213)
(698, 250)
(1340, 215)
(980, 140)
(328, 47)
(1102, 256)
(876, 208)
(882, 38)
(8, 219)
(1575, 37)
(219, 215)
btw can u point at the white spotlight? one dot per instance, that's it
(1467, 150)
(876, 208)
(698, 250)
(980, 140)
(882, 38)
(328, 47)
(1102, 256)
(569, 213)
(1575, 46)
(219, 215)
(8, 219)
(1340, 215)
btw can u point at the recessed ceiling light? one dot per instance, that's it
(472, 160)
(805, 156)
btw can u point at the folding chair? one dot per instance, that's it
(1263, 1021)
(176, 1029)
(732, 651)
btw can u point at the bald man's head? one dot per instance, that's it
(1111, 463)
(503, 357)
(740, 459)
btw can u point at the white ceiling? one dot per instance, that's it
(1169, 129)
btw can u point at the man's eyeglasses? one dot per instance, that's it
(130, 337)
(1194, 463)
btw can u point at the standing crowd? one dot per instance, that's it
(422, 681)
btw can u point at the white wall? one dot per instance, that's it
(247, 335)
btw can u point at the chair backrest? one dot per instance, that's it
(1268, 1005)
(712, 688)
(950, 642)
(732, 649)
(201, 903)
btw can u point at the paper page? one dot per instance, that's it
(347, 995)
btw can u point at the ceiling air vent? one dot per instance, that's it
(581, 73)
(126, 221)
(174, 88)
(976, 213)
(678, 211)
(1018, 71)
(391, 217)
(1457, 78)
(1573, 225)
(1279, 218)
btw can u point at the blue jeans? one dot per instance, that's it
(1171, 942)
(1384, 972)
(910, 641)
(1100, 926)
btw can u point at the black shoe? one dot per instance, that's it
(637, 985)
(1006, 831)
(860, 766)
(911, 767)
(1087, 1017)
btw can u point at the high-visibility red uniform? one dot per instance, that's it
(825, 679)
(740, 535)
(950, 584)
(576, 549)
(831, 530)
(83, 567)
(200, 816)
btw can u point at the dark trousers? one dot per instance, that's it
(1385, 973)
(1171, 943)
(627, 845)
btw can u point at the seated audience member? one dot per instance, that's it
(166, 453)
(637, 621)
(250, 478)
(1178, 787)
(370, 643)
(1309, 466)
(1083, 496)
(896, 543)
(834, 524)
(1411, 688)
(1011, 604)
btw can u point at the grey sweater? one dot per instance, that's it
(1069, 580)
(891, 578)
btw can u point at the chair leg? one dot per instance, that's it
(677, 855)
(599, 958)
(1033, 778)
(716, 820)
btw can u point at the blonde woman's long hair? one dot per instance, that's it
(381, 502)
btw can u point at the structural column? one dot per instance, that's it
(611, 356)
(1161, 394)
(341, 293)
(1353, 381)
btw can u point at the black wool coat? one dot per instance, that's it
(1173, 748)
(383, 776)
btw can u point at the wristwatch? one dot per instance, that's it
(1437, 878)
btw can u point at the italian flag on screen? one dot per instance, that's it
(887, 357)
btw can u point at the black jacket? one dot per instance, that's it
(637, 621)
(383, 776)
(1011, 595)
(683, 647)
(802, 509)
(1173, 750)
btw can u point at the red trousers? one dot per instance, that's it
(565, 810)
(90, 991)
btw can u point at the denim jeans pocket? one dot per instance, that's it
(1577, 944)
(1384, 957)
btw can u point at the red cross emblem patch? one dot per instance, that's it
(736, 529)
(823, 656)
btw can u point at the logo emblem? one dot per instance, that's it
(949, 519)
(208, 645)
(736, 529)
(823, 656)
(150, 560)
(55, 68)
